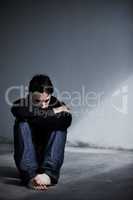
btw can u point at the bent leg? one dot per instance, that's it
(54, 154)
(24, 151)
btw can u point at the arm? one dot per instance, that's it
(21, 110)
(54, 118)
(57, 118)
(56, 121)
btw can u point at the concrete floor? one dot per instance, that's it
(85, 175)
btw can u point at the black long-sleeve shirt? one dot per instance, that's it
(41, 117)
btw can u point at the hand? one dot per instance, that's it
(61, 109)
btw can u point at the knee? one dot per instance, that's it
(21, 127)
(59, 135)
(61, 131)
(24, 125)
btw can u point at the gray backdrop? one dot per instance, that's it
(78, 44)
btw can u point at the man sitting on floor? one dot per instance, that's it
(40, 132)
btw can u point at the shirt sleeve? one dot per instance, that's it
(45, 118)
(58, 121)
(22, 110)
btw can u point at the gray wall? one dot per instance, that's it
(79, 44)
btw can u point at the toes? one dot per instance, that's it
(38, 187)
(45, 187)
(41, 187)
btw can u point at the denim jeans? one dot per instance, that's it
(27, 159)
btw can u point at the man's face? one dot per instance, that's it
(41, 99)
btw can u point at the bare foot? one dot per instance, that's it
(42, 179)
(36, 184)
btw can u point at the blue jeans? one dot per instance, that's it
(30, 161)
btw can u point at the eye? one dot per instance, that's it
(46, 100)
(37, 100)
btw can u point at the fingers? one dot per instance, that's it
(65, 108)
(61, 109)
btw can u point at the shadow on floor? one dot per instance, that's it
(7, 171)
(10, 175)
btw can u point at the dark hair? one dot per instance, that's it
(41, 83)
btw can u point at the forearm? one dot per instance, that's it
(54, 118)
(23, 109)
(59, 121)
(25, 113)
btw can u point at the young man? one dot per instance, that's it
(40, 132)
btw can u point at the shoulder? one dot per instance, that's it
(55, 102)
(20, 101)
